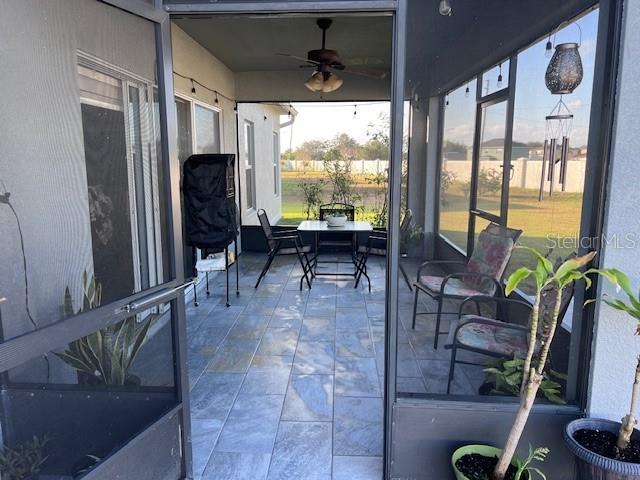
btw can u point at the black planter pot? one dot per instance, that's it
(592, 466)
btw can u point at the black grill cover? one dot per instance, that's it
(208, 188)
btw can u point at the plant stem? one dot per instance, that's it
(533, 334)
(629, 421)
(526, 403)
(542, 361)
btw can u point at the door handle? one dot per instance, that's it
(152, 300)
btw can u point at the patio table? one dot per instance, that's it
(320, 226)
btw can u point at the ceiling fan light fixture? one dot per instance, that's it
(315, 83)
(331, 83)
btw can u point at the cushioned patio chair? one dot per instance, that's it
(481, 275)
(285, 242)
(377, 245)
(503, 338)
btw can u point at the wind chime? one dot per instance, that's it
(562, 77)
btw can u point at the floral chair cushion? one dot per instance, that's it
(490, 257)
(454, 287)
(501, 340)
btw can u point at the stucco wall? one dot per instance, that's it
(615, 347)
(190, 59)
(266, 120)
(42, 161)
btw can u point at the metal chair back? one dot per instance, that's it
(331, 208)
(266, 228)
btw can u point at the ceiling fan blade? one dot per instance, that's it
(298, 58)
(377, 75)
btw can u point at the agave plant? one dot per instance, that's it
(24, 460)
(104, 357)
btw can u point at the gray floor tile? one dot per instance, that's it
(351, 319)
(248, 327)
(314, 357)
(410, 385)
(358, 426)
(268, 375)
(233, 356)
(354, 343)
(309, 398)
(320, 308)
(357, 468)
(436, 374)
(204, 433)
(213, 395)
(252, 424)
(302, 451)
(279, 341)
(237, 466)
(261, 306)
(375, 308)
(318, 329)
(356, 377)
(207, 340)
(290, 316)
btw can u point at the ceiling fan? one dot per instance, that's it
(325, 62)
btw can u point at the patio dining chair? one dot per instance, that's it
(481, 274)
(500, 338)
(333, 240)
(285, 242)
(377, 245)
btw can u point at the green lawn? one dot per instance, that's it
(553, 223)
(293, 198)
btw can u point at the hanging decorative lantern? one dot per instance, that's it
(556, 148)
(564, 72)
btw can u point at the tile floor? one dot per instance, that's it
(288, 384)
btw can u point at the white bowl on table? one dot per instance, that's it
(336, 220)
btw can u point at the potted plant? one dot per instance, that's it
(607, 450)
(25, 460)
(549, 281)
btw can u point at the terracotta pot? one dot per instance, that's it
(592, 466)
(485, 450)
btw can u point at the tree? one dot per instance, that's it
(311, 150)
(549, 280)
(346, 145)
(374, 150)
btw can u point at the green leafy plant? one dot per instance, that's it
(535, 454)
(379, 209)
(631, 307)
(24, 460)
(489, 180)
(552, 280)
(104, 357)
(505, 378)
(446, 180)
(338, 171)
(312, 192)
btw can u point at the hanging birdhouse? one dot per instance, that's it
(564, 72)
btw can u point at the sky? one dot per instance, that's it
(324, 121)
(533, 101)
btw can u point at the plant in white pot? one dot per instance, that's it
(550, 282)
(607, 450)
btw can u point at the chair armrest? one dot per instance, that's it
(476, 299)
(429, 263)
(461, 275)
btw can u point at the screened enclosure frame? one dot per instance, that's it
(32, 345)
(594, 195)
